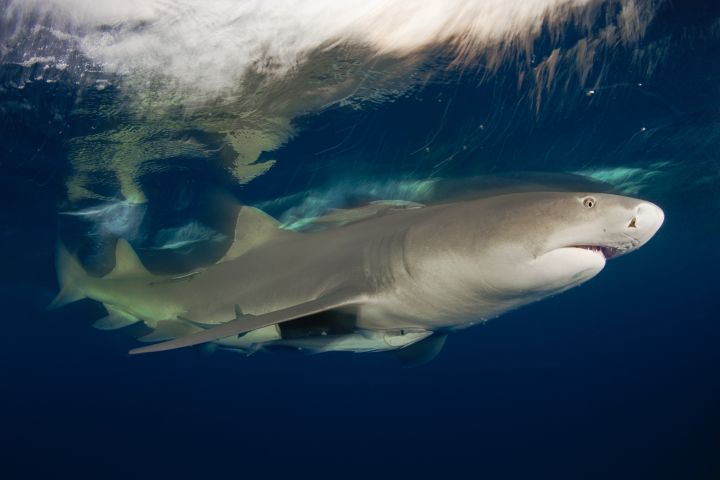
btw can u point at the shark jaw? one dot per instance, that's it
(568, 266)
(606, 252)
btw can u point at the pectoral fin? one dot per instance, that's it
(336, 299)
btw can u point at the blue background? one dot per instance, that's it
(616, 379)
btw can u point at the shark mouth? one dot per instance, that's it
(607, 252)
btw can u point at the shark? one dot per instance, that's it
(397, 278)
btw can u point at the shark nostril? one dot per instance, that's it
(632, 223)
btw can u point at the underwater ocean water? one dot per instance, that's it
(150, 121)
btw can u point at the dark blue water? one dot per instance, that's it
(615, 379)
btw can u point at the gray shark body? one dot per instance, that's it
(393, 281)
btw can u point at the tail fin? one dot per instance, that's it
(69, 272)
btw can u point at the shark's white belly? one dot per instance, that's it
(392, 311)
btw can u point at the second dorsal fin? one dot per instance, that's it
(127, 263)
(252, 227)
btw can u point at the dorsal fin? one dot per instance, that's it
(127, 263)
(252, 227)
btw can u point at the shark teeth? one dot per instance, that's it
(607, 252)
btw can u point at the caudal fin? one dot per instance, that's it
(70, 273)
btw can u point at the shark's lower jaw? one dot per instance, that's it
(607, 252)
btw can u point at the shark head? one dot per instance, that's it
(601, 226)
(552, 241)
(497, 253)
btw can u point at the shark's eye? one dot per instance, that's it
(589, 202)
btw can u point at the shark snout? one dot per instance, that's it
(645, 222)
